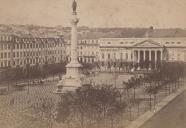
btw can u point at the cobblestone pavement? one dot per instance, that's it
(14, 107)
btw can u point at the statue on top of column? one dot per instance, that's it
(74, 6)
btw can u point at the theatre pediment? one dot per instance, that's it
(147, 43)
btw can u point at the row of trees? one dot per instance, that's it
(88, 106)
(32, 72)
(104, 105)
(168, 77)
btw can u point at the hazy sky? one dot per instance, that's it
(96, 13)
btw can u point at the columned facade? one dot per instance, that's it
(147, 58)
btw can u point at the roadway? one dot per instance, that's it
(172, 116)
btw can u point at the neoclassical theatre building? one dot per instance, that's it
(131, 53)
(142, 53)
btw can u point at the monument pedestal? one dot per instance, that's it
(72, 80)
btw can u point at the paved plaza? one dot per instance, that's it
(15, 107)
(109, 78)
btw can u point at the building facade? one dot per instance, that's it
(88, 50)
(140, 53)
(18, 51)
(120, 53)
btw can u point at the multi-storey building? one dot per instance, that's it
(134, 53)
(88, 50)
(19, 51)
(139, 51)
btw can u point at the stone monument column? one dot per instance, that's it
(73, 78)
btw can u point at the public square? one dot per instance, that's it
(92, 64)
(16, 106)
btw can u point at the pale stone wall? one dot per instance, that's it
(22, 51)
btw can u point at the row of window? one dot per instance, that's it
(88, 53)
(29, 45)
(114, 56)
(86, 60)
(30, 61)
(123, 42)
(25, 54)
(173, 43)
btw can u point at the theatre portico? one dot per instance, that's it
(141, 53)
(147, 54)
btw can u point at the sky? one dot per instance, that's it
(96, 13)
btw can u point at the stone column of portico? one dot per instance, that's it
(155, 52)
(138, 60)
(161, 55)
(134, 59)
(149, 59)
(144, 57)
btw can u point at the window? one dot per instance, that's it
(5, 46)
(1, 55)
(126, 56)
(1, 46)
(5, 55)
(17, 46)
(185, 55)
(8, 46)
(103, 56)
(121, 42)
(8, 63)
(121, 56)
(108, 56)
(114, 55)
(108, 43)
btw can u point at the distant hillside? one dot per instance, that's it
(87, 33)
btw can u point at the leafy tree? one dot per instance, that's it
(45, 110)
(92, 104)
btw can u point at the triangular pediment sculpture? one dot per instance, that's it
(147, 43)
